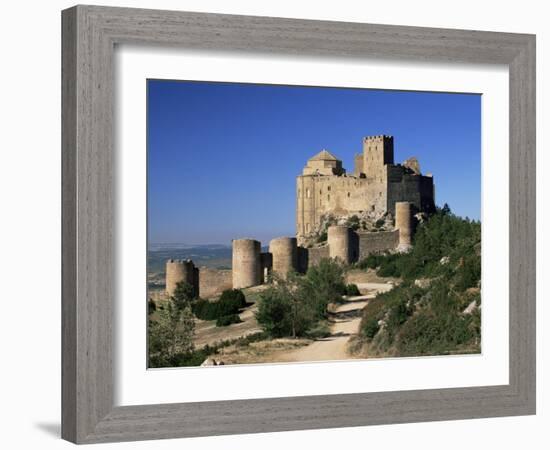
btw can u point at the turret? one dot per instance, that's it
(178, 270)
(247, 267)
(377, 152)
(285, 255)
(403, 223)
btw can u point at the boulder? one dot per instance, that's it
(470, 308)
(209, 362)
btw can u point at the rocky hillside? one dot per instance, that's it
(436, 309)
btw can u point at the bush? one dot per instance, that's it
(380, 223)
(205, 310)
(274, 310)
(323, 284)
(372, 261)
(397, 315)
(353, 222)
(230, 303)
(233, 297)
(322, 237)
(224, 321)
(287, 308)
(183, 295)
(371, 327)
(318, 331)
(388, 268)
(352, 290)
(431, 334)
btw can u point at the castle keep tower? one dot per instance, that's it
(178, 270)
(377, 153)
(285, 255)
(247, 267)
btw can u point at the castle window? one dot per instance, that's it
(308, 193)
(328, 197)
(307, 227)
(380, 194)
(348, 194)
(320, 191)
(328, 188)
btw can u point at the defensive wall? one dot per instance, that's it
(213, 282)
(252, 267)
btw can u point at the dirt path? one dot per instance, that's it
(345, 323)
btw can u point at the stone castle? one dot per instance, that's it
(377, 188)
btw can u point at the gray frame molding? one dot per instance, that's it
(89, 34)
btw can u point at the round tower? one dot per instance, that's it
(246, 263)
(285, 255)
(180, 270)
(339, 243)
(403, 223)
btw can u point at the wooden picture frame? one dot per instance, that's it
(90, 34)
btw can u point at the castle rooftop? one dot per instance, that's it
(324, 155)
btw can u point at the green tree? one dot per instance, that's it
(184, 294)
(284, 311)
(322, 285)
(171, 333)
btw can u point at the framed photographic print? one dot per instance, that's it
(277, 224)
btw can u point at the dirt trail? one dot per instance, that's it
(345, 323)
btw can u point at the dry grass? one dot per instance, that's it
(268, 351)
(356, 276)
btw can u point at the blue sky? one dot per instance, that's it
(223, 158)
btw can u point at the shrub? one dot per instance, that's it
(352, 290)
(233, 297)
(323, 284)
(353, 222)
(318, 331)
(322, 237)
(183, 295)
(224, 321)
(430, 334)
(172, 333)
(205, 310)
(388, 268)
(287, 309)
(397, 315)
(274, 309)
(372, 261)
(298, 305)
(230, 303)
(371, 327)
(380, 223)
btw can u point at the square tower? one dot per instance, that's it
(377, 152)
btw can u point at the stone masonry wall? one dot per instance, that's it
(315, 255)
(377, 242)
(214, 281)
(407, 187)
